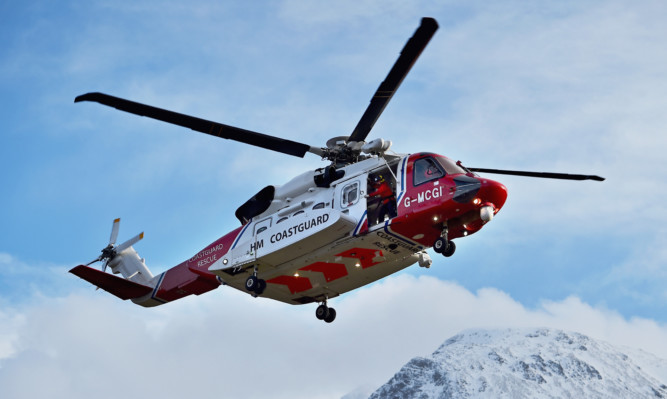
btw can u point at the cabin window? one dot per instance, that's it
(299, 212)
(425, 170)
(262, 226)
(319, 206)
(350, 194)
(281, 219)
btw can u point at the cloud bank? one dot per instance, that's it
(227, 344)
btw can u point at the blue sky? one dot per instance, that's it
(569, 86)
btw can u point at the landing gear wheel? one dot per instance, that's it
(449, 251)
(322, 312)
(331, 316)
(440, 245)
(251, 283)
(261, 286)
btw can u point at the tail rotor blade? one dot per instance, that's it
(93, 261)
(129, 242)
(114, 231)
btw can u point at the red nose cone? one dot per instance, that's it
(493, 192)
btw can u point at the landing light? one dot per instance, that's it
(435, 218)
(357, 264)
(486, 213)
(477, 201)
(296, 274)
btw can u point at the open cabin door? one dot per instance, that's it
(381, 194)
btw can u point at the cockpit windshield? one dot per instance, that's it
(450, 167)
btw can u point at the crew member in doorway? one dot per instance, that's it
(381, 197)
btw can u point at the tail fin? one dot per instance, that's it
(120, 287)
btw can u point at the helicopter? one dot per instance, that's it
(368, 214)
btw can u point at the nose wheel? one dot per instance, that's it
(323, 312)
(444, 246)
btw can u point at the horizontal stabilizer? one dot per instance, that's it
(123, 289)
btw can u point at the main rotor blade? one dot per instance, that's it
(546, 175)
(204, 126)
(413, 48)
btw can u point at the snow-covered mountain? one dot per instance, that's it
(521, 363)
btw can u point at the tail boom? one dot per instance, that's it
(138, 283)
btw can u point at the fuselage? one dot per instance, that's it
(313, 239)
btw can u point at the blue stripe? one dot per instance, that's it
(241, 233)
(400, 195)
(157, 287)
(405, 160)
(361, 222)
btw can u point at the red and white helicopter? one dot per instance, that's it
(366, 215)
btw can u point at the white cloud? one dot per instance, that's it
(226, 343)
(10, 323)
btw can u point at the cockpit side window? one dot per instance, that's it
(425, 170)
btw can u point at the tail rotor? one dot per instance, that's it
(111, 250)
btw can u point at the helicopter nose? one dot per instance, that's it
(492, 196)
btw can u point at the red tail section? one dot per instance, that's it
(123, 289)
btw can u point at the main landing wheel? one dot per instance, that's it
(331, 316)
(261, 286)
(255, 285)
(321, 312)
(325, 313)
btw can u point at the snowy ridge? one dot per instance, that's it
(527, 363)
